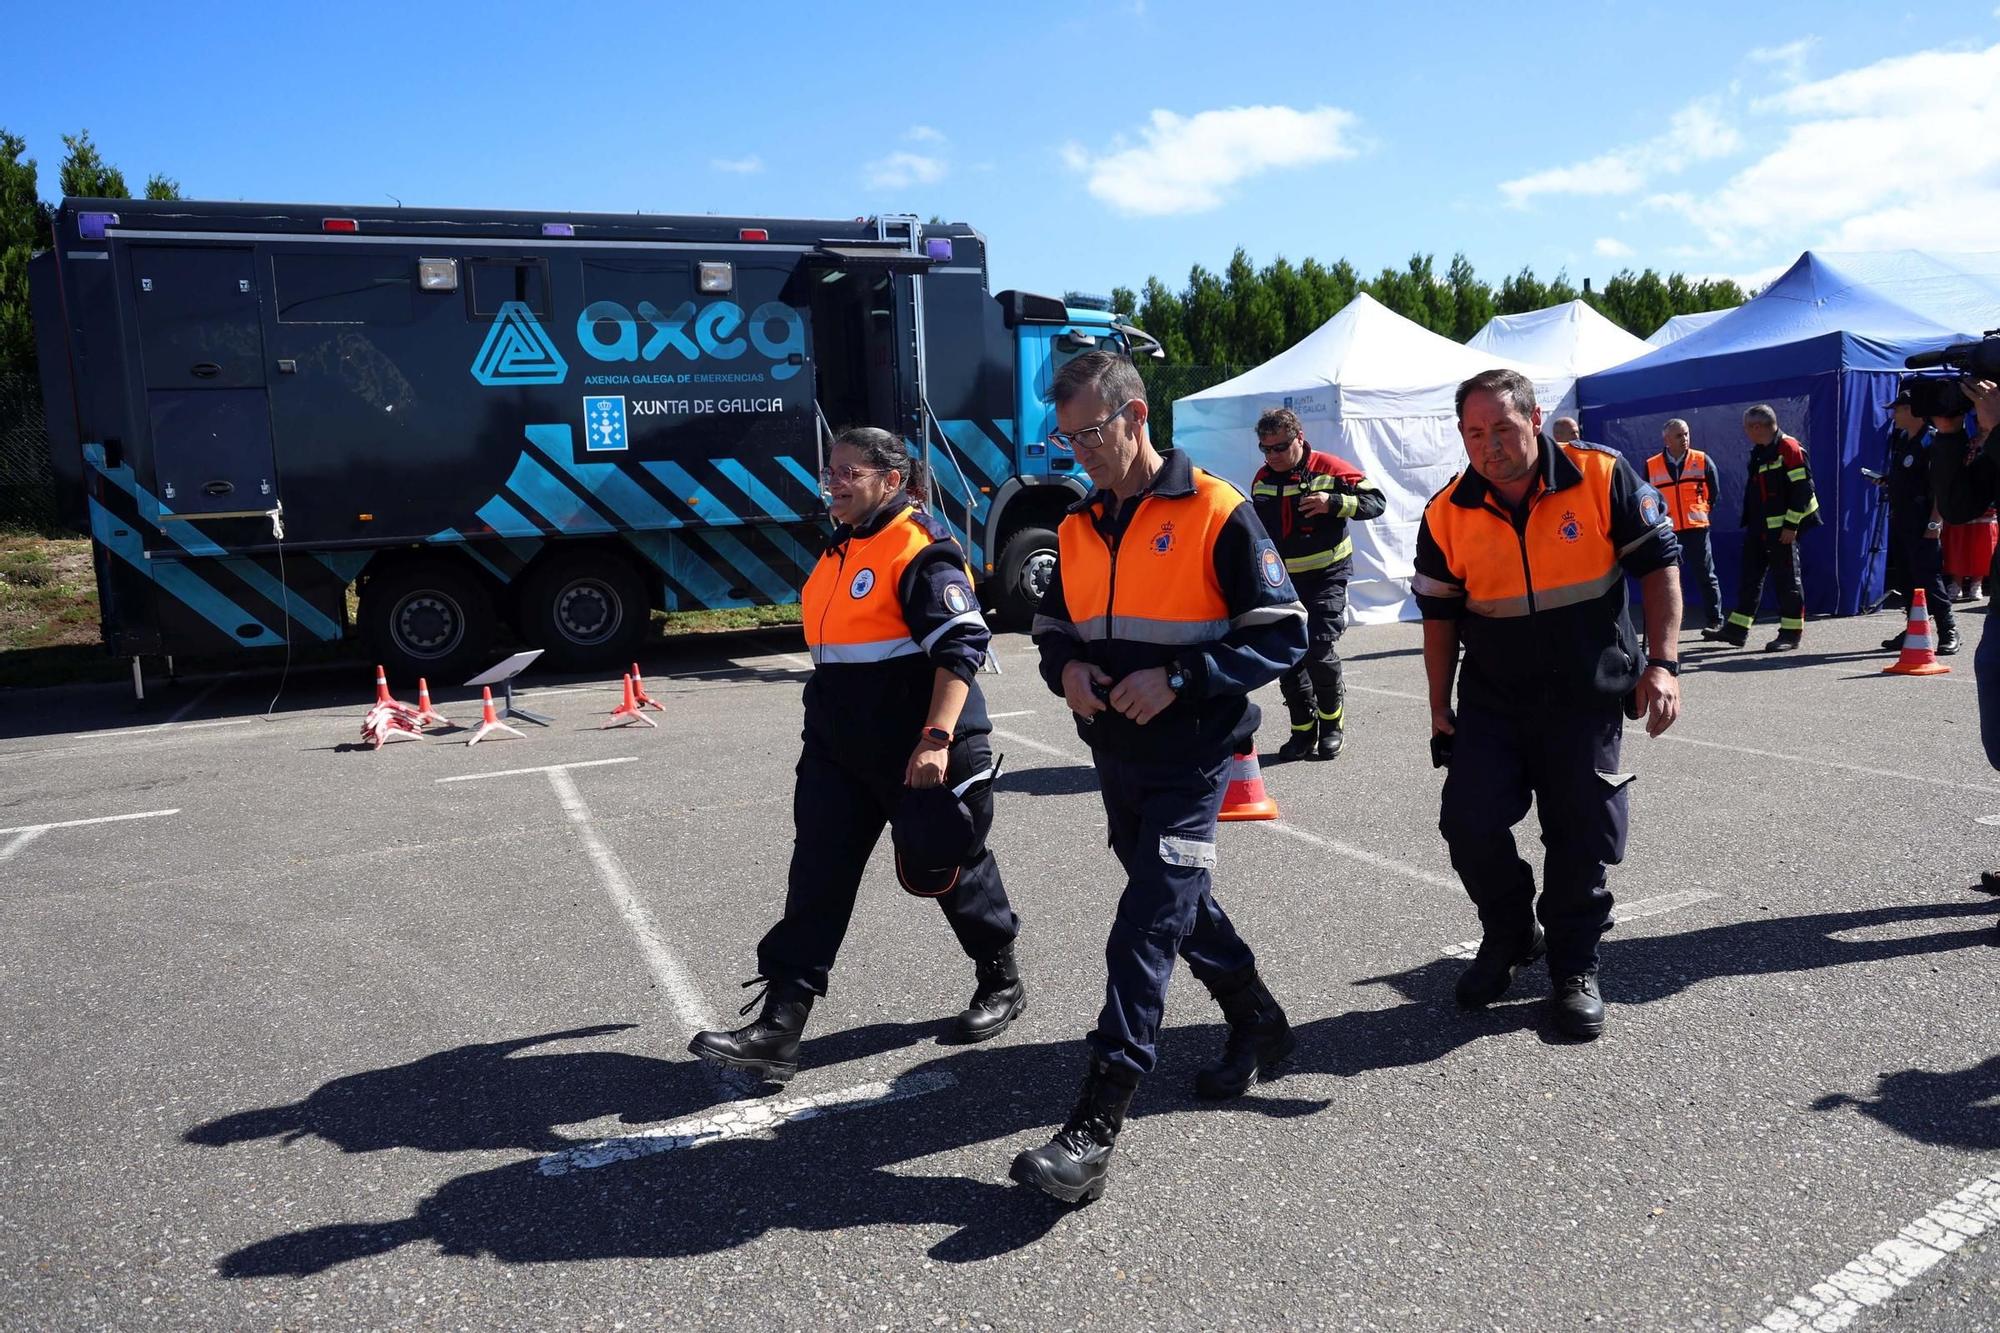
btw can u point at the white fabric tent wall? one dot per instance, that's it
(1680, 326)
(1377, 390)
(1571, 338)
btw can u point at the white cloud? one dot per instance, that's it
(899, 171)
(923, 134)
(1187, 164)
(1610, 247)
(1788, 62)
(738, 166)
(1696, 133)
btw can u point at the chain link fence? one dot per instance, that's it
(27, 484)
(1165, 382)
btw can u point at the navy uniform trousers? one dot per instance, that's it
(1566, 759)
(838, 813)
(1315, 684)
(1162, 829)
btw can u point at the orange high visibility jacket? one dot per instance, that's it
(1539, 594)
(1690, 497)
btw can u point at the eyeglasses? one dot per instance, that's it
(1283, 448)
(850, 474)
(1090, 437)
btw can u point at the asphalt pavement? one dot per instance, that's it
(299, 1035)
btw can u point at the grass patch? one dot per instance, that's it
(729, 617)
(48, 593)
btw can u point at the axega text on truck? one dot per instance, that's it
(557, 421)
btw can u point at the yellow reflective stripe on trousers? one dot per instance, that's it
(1306, 564)
(1791, 622)
(881, 650)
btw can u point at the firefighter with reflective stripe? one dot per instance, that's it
(1167, 607)
(1778, 504)
(1522, 561)
(892, 712)
(1686, 479)
(1304, 498)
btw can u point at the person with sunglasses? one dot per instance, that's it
(1168, 605)
(896, 731)
(1304, 498)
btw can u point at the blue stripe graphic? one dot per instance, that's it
(446, 536)
(178, 581)
(785, 542)
(309, 617)
(678, 480)
(347, 565)
(605, 481)
(556, 503)
(669, 551)
(760, 495)
(741, 557)
(806, 479)
(977, 449)
(506, 520)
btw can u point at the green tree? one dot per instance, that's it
(1162, 314)
(86, 175)
(1124, 302)
(1207, 319)
(23, 222)
(162, 187)
(1256, 324)
(1472, 299)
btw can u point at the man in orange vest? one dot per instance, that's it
(1521, 561)
(1169, 604)
(1686, 480)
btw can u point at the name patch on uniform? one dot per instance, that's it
(864, 583)
(956, 599)
(1570, 529)
(1163, 540)
(1274, 568)
(1651, 510)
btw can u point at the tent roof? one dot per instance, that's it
(1680, 326)
(1366, 345)
(1572, 337)
(1826, 312)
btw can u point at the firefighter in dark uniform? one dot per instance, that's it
(1304, 498)
(1167, 607)
(892, 715)
(1778, 505)
(1522, 561)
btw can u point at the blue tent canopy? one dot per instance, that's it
(1824, 344)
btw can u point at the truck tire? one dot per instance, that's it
(1022, 575)
(584, 609)
(429, 618)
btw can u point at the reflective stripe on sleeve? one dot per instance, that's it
(1425, 586)
(962, 618)
(1796, 474)
(1641, 539)
(1269, 615)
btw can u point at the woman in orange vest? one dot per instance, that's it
(1687, 481)
(895, 731)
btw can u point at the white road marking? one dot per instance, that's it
(742, 1120)
(1870, 1279)
(80, 823)
(1034, 744)
(1990, 821)
(1835, 763)
(1632, 911)
(545, 768)
(1362, 854)
(20, 840)
(1019, 712)
(667, 971)
(1393, 694)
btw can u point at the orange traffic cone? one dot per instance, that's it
(627, 712)
(490, 724)
(639, 692)
(1919, 655)
(1246, 797)
(426, 715)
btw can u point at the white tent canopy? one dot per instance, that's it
(1571, 338)
(1377, 390)
(1680, 326)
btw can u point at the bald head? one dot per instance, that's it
(1564, 430)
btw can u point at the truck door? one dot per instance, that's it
(201, 344)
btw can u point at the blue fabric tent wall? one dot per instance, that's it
(1824, 344)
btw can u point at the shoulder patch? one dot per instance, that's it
(957, 598)
(931, 525)
(1652, 511)
(1272, 566)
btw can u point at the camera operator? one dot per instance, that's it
(1967, 480)
(1914, 522)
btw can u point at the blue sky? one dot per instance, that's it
(1094, 143)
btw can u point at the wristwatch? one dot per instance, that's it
(1176, 676)
(937, 736)
(1671, 668)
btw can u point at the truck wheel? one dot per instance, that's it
(584, 609)
(1027, 562)
(430, 618)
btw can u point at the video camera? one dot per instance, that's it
(1940, 396)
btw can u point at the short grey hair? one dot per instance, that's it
(1763, 412)
(1113, 378)
(1516, 389)
(1675, 426)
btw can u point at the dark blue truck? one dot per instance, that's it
(553, 421)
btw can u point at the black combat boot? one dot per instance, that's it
(1493, 967)
(1894, 643)
(769, 1046)
(1332, 734)
(1077, 1161)
(1948, 642)
(1260, 1040)
(1736, 636)
(1299, 745)
(1578, 1005)
(999, 999)
(1786, 641)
